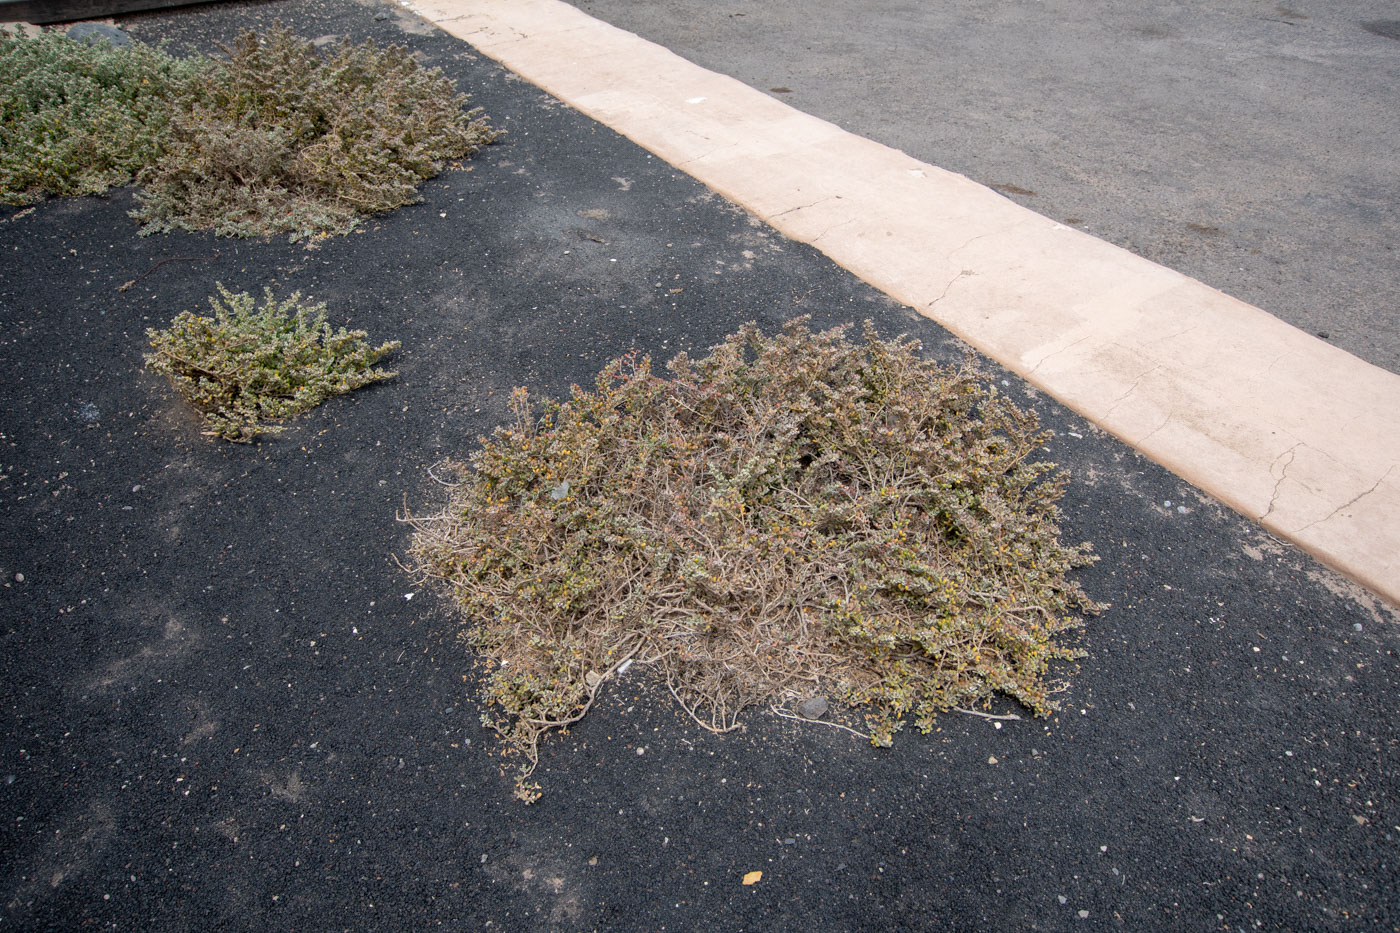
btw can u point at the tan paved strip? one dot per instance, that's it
(1284, 428)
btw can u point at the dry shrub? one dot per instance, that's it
(278, 140)
(789, 517)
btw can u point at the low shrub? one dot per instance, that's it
(78, 119)
(246, 366)
(278, 140)
(787, 518)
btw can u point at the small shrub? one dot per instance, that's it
(78, 119)
(274, 140)
(278, 140)
(248, 365)
(789, 517)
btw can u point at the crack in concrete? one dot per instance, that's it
(1172, 336)
(843, 223)
(1291, 453)
(961, 274)
(1054, 353)
(683, 166)
(1165, 421)
(974, 239)
(1350, 502)
(803, 207)
(949, 287)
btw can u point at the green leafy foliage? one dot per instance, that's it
(278, 140)
(78, 119)
(789, 517)
(275, 139)
(247, 365)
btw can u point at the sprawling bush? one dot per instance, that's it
(273, 139)
(787, 518)
(78, 119)
(246, 366)
(279, 140)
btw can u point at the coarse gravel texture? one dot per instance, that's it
(225, 706)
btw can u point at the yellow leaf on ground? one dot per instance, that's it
(753, 877)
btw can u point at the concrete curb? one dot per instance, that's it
(1285, 429)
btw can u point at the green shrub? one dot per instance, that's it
(278, 140)
(248, 365)
(78, 119)
(273, 140)
(786, 518)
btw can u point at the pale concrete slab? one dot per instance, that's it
(1284, 428)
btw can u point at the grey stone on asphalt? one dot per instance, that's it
(814, 708)
(93, 33)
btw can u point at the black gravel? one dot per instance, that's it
(223, 711)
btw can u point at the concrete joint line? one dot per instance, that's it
(1280, 426)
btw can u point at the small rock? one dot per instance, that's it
(789, 842)
(814, 708)
(93, 33)
(380, 17)
(19, 578)
(1084, 915)
(89, 413)
(1357, 626)
(1063, 899)
(560, 491)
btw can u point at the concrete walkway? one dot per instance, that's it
(1284, 428)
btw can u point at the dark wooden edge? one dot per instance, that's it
(63, 11)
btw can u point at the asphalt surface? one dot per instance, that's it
(1252, 146)
(220, 709)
